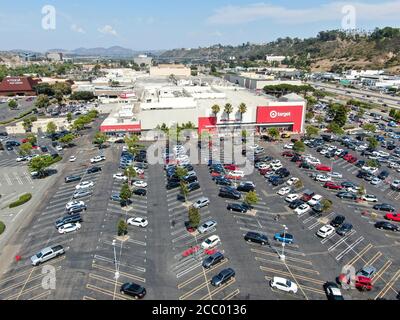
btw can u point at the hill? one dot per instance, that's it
(329, 51)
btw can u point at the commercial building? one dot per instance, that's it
(165, 70)
(143, 59)
(255, 81)
(55, 56)
(40, 124)
(18, 86)
(121, 120)
(272, 58)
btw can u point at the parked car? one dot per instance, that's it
(332, 291)
(138, 222)
(207, 226)
(133, 289)
(344, 229)
(384, 207)
(69, 227)
(256, 238)
(140, 184)
(212, 260)
(229, 192)
(369, 198)
(93, 170)
(224, 276)
(284, 237)
(325, 231)
(338, 221)
(68, 219)
(238, 207)
(140, 192)
(393, 217)
(211, 242)
(72, 179)
(386, 226)
(292, 197)
(97, 159)
(346, 195)
(283, 284)
(47, 254)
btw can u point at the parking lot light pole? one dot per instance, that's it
(116, 275)
(282, 256)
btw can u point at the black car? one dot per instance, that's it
(229, 192)
(72, 179)
(362, 174)
(212, 260)
(348, 184)
(76, 209)
(344, 229)
(383, 175)
(283, 172)
(133, 289)
(296, 203)
(338, 221)
(317, 209)
(306, 165)
(68, 219)
(295, 158)
(384, 207)
(256, 238)
(188, 167)
(278, 181)
(223, 277)
(93, 170)
(193, 186)
(190, 179)
(238, 207)
(386, 226)
(360, 163)
(332, 291)
(125, 203)
(245, 187)
(222, 181)
(172, 185)
(140, 192)
(347, 195)
(44, 149)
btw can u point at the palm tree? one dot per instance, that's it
(242, 109)
(228, 109)
(215, 109)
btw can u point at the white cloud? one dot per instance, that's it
(107, 29)
(77, 28)
(230, 15)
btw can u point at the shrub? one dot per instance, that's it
(2, 227)
(122, 227)
(22, 199)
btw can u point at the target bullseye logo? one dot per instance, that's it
(273, 114)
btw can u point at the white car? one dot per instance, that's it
(256, 146)
(325, 231)
(338, 151)
(372, 170)
(236, 173)
(71, 204)
(263, 166)
(276, 163)
(283, 191)
(283, 284)
(288, 146)
(303, 208)
(369, 198)
(97, 159)
(59, 148)
(324, 151)
(353, 189)
(314, 200)
(120, 176)
(140, 184)
(323, 178)
(202, 202)
(375, 181)
(182, 157)
(313, 161)
(138, 170)
(276, 167)
(19, 159)
(335, 175)
(69, 227)
(72, 159)
(395, 184)
(207, 226)
(85, 185)
(210, 242)
(292, 197)
(138, 222)
(292, 181)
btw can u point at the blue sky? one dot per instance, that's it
(165, 24)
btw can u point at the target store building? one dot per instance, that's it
(287, 114)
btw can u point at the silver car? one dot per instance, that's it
(207, 226)
(81, 194)
(202, 202)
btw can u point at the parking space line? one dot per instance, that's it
(389, 285)
(349, 248)
(374, 258)
(106, 280)
(128, 275)
(41, 295)
(209, 296)
(17, 178)
(340, 241)
(232, 295)
(359, 255)
(381, 271)
(290, 265)
(8, 179)
(17, 295)
(201, 274)
(308, 279)
(107, 292)
(88, 298)
(192, 291)
(273, 254)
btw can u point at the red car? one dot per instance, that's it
(24, 140)
(287, 154)
(333, 186)
(352, 160)
(263, 172)
(393, 216)
(215, 174)
(231, 167)
(348, 157)
(322, 167)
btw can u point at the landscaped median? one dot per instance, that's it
(2, 227)
(22, 199)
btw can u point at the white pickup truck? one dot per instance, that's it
(47, 254)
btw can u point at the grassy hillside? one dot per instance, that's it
(330, 50)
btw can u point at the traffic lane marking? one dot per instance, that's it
(281, 272)
(273, 254)
(289, 265)
(41, 295)
(360, 254)
(232, 295)
(381, 271)
(107, 292)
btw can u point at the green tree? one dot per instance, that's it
(372, 163)
(335, 128)
(132, 143)
(67, 139)
(125, 193)
(215, 109)
(228, 109)
(242, 110)
(372, 142)
(184, 190)
(326, 204)
(39, 164)
(51, 128)
(298, 184)
(309, 115)
(31, 138)
(25, 149)
(42, 101)
(12, 104)
(320, 119)
(392, 112)
(122, 228)
(194, 217)
(59, 96)
(69, 117)
(361, 112)
(340, 115)
(361, 190)
(130, 172)
(299, 146)
(181, 172)
(369, 127)
(312, 131)
(251, 198)
(273, 133)
(27, 124)
(100, 138)
(82, 95)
